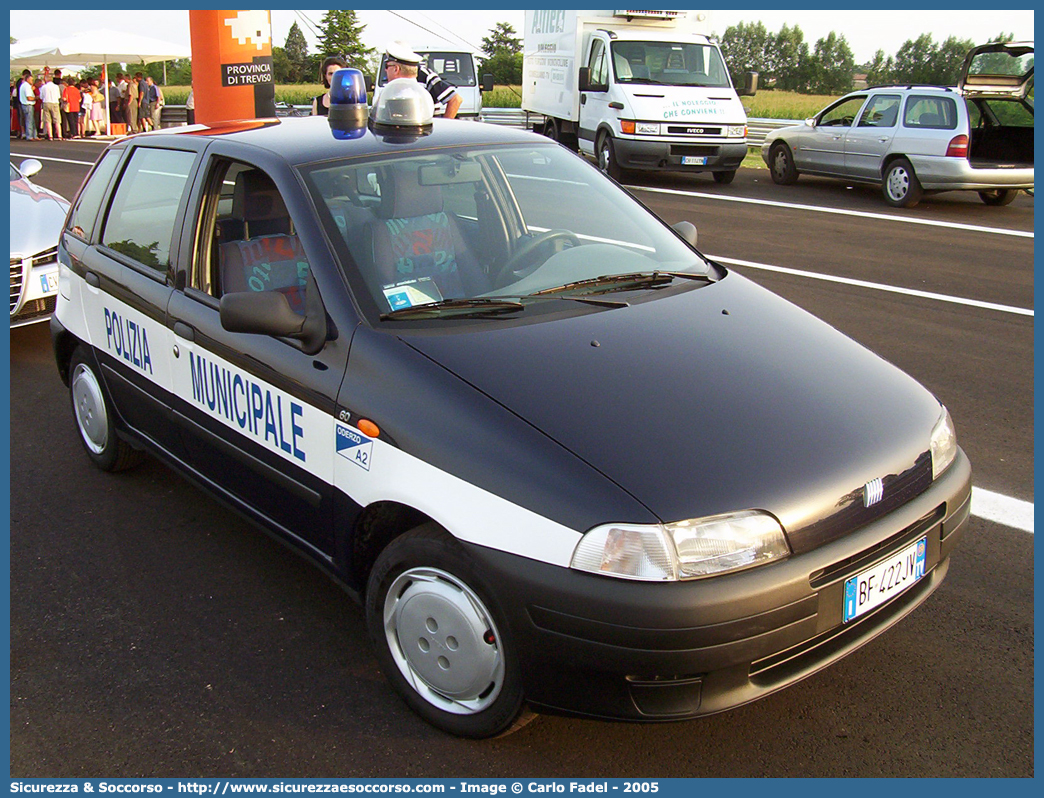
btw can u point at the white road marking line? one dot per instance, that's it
(975, 303)
(1002, 509)
(841, 212)
(48, 158)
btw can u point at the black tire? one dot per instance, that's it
(900, 187)
(781, 165)
(724, 177)
(94, 417)
(458, 670)
(553, 130)
(1000, 196)
(606, 153)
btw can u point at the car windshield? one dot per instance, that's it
(493, 222)
(456, 68)
(669, 63)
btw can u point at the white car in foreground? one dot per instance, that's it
(37, 216)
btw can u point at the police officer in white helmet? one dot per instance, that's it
(402, 62)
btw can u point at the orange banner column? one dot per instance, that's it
(232, 74)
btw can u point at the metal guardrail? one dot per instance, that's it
(757, 129)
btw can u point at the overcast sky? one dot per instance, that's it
(866, 31)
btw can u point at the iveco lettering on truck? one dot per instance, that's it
(636, 89)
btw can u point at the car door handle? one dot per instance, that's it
(883, 140)
(183, 330)
(92, 280)
(583, 99)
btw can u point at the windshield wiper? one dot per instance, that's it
(447, 308)
(623, 282)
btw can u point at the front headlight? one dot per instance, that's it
(944, 444)
(737, 131)
(689, 549)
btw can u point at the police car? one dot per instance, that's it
(567, 463)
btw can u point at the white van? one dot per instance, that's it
(636, 89)
(458, 67)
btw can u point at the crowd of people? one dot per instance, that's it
(54, 107)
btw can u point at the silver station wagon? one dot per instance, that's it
(914, 140)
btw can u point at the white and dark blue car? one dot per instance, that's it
(567, 463)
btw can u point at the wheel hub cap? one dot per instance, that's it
(89, 406)
(898, 183)
(443, 640)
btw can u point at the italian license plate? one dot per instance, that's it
(49, 282)
(694, 160)
(874, 586)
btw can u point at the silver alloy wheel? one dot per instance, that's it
(779, 163)
(89, 407)
(443, 640)
(898, 183)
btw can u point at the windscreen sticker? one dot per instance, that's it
(354, 446)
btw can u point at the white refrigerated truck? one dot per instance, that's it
(636, 89)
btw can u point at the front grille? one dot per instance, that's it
(693, 130)
(45, 257)
(35, 309)
(17, 282)
(693, 149)
(851, 513)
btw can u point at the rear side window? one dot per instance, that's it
(82, 219)
(141, 218)
(881, 111)
(936, 113)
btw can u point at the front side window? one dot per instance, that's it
(843, 113)
(926, 111)
(478, 223)
(246, 239)
(881, 111)
(670, 63)
(599, 69)
(140, 222)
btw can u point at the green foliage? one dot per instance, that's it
(342, 35)
(832, 66)
(506, 68)
(502, 37)
(296, 52)
(745, 47)
(788, 60)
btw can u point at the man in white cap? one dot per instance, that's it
(402, 62)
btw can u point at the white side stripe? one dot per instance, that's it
(1002, 509)
(840, 212)
(830, 278)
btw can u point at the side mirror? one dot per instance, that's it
(687, 230)
(261, 313)
(487, 83)
(811, 121)
(269, 313)
(369, 84)
(585, 84)
(749, 85)
(29, 167)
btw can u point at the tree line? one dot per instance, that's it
(783, 60)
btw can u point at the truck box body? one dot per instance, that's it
(659, 95)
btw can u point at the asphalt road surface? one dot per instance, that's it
(155, 633)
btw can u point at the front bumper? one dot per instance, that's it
(34, 287)
(950, 174)
(610, 648)
(644, 154)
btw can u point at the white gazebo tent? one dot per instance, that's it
(96, 47)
